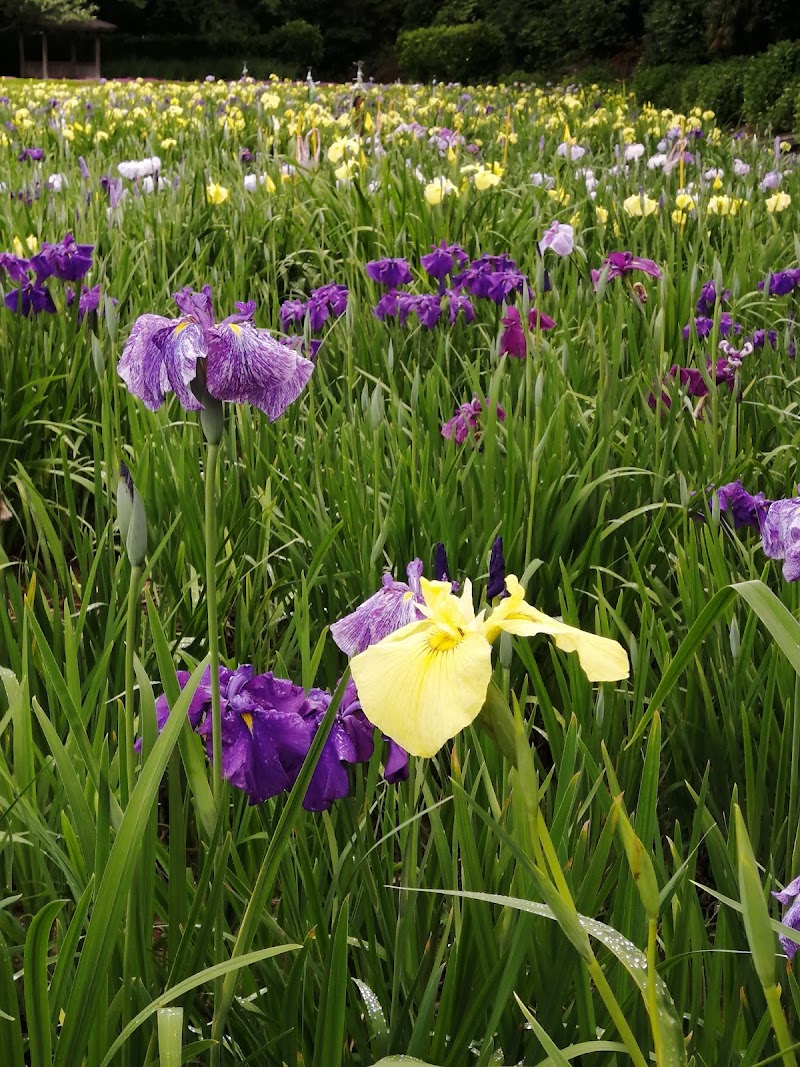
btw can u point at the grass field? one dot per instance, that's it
(583, 874)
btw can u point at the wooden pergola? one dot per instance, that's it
(76, 37)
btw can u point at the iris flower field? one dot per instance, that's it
(399, 548)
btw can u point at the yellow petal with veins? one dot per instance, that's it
(602, 659)
(424, 683)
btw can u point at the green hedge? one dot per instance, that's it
(468, 53)
(761, 91)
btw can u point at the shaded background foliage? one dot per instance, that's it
(602, 38)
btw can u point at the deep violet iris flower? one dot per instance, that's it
(746, 509)
(443, 259)
(66, 260)
(389, 272)
(782, 282)
(268, 725)
(236, 360)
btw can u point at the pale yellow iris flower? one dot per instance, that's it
(427, 681)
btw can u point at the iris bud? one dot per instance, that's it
(131, 518)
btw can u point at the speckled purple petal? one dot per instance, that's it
(161, 356)
(387, 610)
(248, 365)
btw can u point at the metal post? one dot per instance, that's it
(21, 42)
(97, 55)
(45, 73)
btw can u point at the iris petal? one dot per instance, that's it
(602, 659)
(423, 684)
(247, 365)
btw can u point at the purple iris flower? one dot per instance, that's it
(466, 419)
(762, 337)
(479, 276)
(393, 606)
(428, 309)
(334, 295)
(291, 312)
(349, 742)
(245, 155)
(240, 362)
(32, 154)
(268, 725)
(618, 264)
(327, 300)
(501, 284)
(459, 302)
(513, 341)
(16, 268)
(66, 260)
(83, 168)
(389, 272)
(704, 326)
(443, 259)
(708, 299)
(497, 571)
(88, 301)
(780, 536)
(441, 568)
(791, 917)
(746, 510)
(782, 282)
(264, 735)
(115, 189)
(30, 297)
(388, 306)
(538, 318)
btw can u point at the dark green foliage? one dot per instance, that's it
(766, 80)
(451, 53)
(675, 32)
(720, 87)
(296, 43)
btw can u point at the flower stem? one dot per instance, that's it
(785, 1043)
(127, 774)
(213, 622)
(127, 764)
(212, 456)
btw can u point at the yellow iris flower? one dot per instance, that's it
(216, 194)
(778, 202)
(427, 681)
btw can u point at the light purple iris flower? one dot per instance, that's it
(393, 606)
(791, 917)
(238, 361)
(780, 536)
(771, 180)
(618, 264)
(560, 237)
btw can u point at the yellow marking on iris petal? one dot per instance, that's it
(407, 596)
(180, 327)
(236, 329)
(444, 640)
(248, 720)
